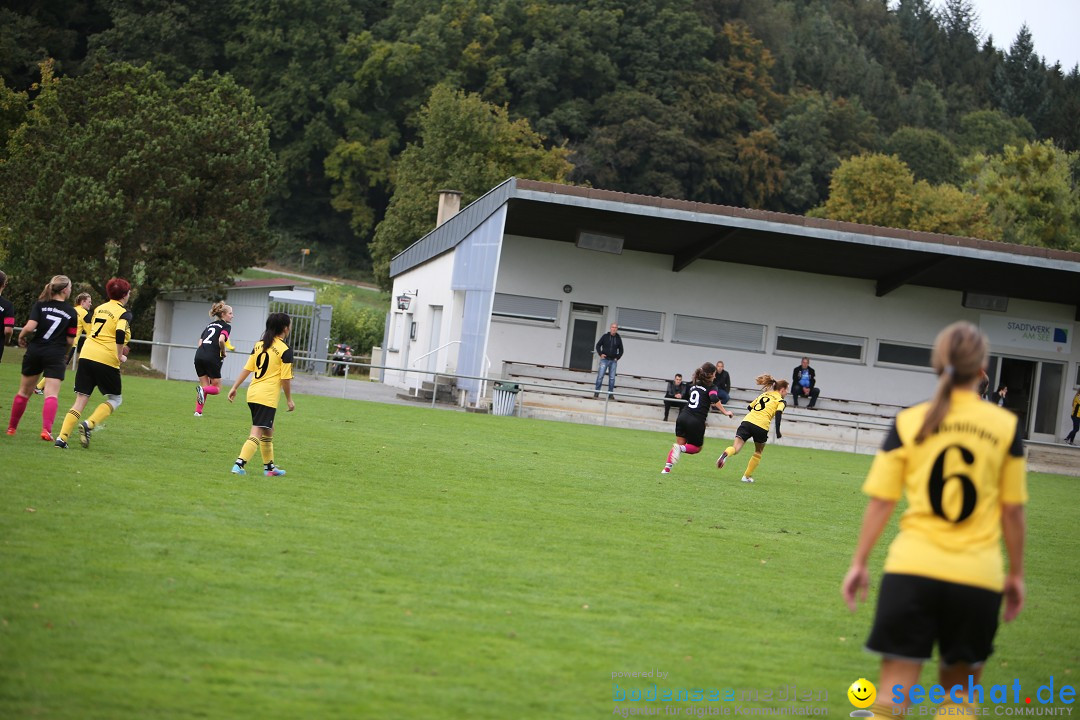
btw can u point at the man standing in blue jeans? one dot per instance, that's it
(609, 348)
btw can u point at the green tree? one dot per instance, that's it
(880, 189)
(465, 144)
(989, 131)
(1021, 82)
(117, 173)
(928, 154)
(1033, 194)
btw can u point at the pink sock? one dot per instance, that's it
(211, 390)
(691, 449)
(48, 414)
(198, 407)
(18, 406)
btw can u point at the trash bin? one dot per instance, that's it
(504, 397)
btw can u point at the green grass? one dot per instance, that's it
(432, 564)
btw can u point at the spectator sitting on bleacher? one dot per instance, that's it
(804, 384)
(723, 382)
(675, 389)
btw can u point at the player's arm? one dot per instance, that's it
(776, 419)
(286, 386)
(857, 581)
(222, 342)
(1014, 528)
(714, 400)
(122, 327)
(27, 331)
(239, 381)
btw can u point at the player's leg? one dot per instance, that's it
(248, 450)
(266, 446)
(110, 384)
(20, 401)
(895, 671)
(732, 449)
(748, 476)
(74, 415)
(52, 404)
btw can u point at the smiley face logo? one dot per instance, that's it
(862, 693)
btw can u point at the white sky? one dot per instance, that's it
(1054, 25)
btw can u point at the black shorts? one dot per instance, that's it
(914, 612)
(750, 431)
(48, 360)
(207, 367)
(262, 415)
(90, 374)
(690, 426)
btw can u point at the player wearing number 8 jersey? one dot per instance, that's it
(768, 407)
(270, 367)
(694, 415)
(99, 365)
(210, 353)
(960, 463)
(54, 324)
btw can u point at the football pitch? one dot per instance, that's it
(432, 564)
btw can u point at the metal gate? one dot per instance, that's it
(310, 332)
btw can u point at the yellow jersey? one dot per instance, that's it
(1076, 406)
(268, 368)
(955, 482)
(84, 325)
(764, 407)
(108, 327)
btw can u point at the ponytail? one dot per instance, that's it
(701, 375)
(767, 382)
(54, 287)
(959, 356)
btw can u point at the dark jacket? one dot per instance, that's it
(610, 345)
(796, 386)
(723, 381)
(672, 388)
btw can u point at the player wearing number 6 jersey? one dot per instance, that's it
(270, 367)
(54, 324)
(99, 365)
(767, 407)
(210, 353)
(693, 417)
(960, 463)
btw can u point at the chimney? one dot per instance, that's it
(449, 204)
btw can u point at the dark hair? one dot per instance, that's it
(117, 288)
(958, 358)
(704, 372)
(275, 325)
(54, 287)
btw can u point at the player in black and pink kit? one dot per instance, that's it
(7, 317)
(54, 324)
(210, 353)
(694, 415)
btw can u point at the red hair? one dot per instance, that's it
(117, 288)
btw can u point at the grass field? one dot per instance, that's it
(432, 564)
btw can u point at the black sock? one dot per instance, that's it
(241, 462)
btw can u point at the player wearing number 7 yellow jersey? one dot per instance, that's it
(270, 367)
(960, 463)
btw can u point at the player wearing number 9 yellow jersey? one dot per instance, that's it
(270, 365)
(961, 465)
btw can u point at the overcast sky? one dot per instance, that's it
(1054, 26)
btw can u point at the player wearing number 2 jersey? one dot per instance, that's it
(99, 365)
(210, 353)
(960, 464)
(270, 365)
(693, 417)
(54, 324)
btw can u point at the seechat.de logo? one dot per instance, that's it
(862, 694)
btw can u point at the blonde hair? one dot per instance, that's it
(219, 309)
(958, 358)
(54, 287)
(81, 296)
(767, 382)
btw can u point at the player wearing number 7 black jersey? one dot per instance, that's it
(270, 367)
(694, 415)
(960, 463)
(210, 353)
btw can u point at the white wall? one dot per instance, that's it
(432, 279)
(775, 298)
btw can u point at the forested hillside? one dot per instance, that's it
(753, 103)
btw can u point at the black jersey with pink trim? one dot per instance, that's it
(208, 342)
(56, 322)
(700, 399)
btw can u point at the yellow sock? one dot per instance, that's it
(752, 465)
(41, 383)
(266, 445)
(730, 450)
(70, 421)
(250, 446)
(884, 712)
(101, 412)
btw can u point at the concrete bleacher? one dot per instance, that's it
(557, 393)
